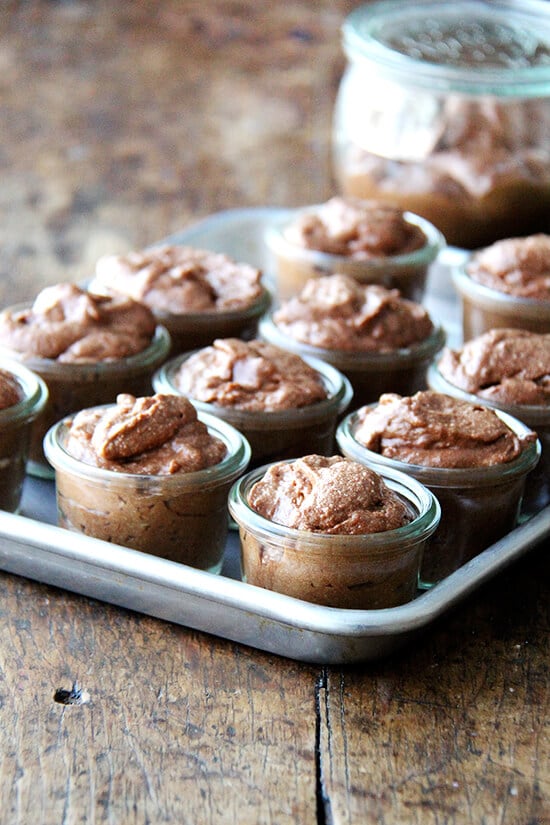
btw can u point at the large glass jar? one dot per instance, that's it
(444, 110)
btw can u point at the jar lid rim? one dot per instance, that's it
(414, 43)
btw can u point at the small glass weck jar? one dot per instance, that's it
(536, 494)
(444, 110)
(73, 386)
(293, 264)
(362, 571)
(182, 517)
(275, 434)
(469, 497)
(484, 308)
(370, 373)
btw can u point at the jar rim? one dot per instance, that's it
(365, 37)
(423, 525)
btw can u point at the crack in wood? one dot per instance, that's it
(322, 731)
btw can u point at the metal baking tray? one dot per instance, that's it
(31, 544)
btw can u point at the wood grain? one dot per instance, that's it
(175, 726)
(454, 729)
(122, 123)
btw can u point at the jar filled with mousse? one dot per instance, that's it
(330, 531)
(86, 347)
(283, 404)
(371, 241)
(508, 370)
(197, 294)
(379, 340)
(150, 474)
(444, 110)
(506, 284)
(23, 396)
(474, 459)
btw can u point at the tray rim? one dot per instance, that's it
(78, 549)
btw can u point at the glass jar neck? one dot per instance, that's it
(466, 46)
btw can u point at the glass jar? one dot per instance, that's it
(363, 572)
(444, 110)
(484, 308)
(536, 494)
(470, 497)
(16, 423)
(294, 264)
(182, 516)
(370, 373)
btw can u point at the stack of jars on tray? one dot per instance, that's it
(360, 457)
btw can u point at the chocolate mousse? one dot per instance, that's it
(337, 312)
(510, 366)
(328, 495)
(198, 295)
(71, 325)
(355, 228)
(180, 279)
(157, 435)
(516, 266)
(434, 430)
(249, 375)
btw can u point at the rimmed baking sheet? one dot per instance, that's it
(31, 545)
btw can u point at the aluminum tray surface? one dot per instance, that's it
(31, 545)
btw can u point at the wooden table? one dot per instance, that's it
(120, 124)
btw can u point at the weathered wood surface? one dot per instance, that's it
(121, 123)
(455, 729)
